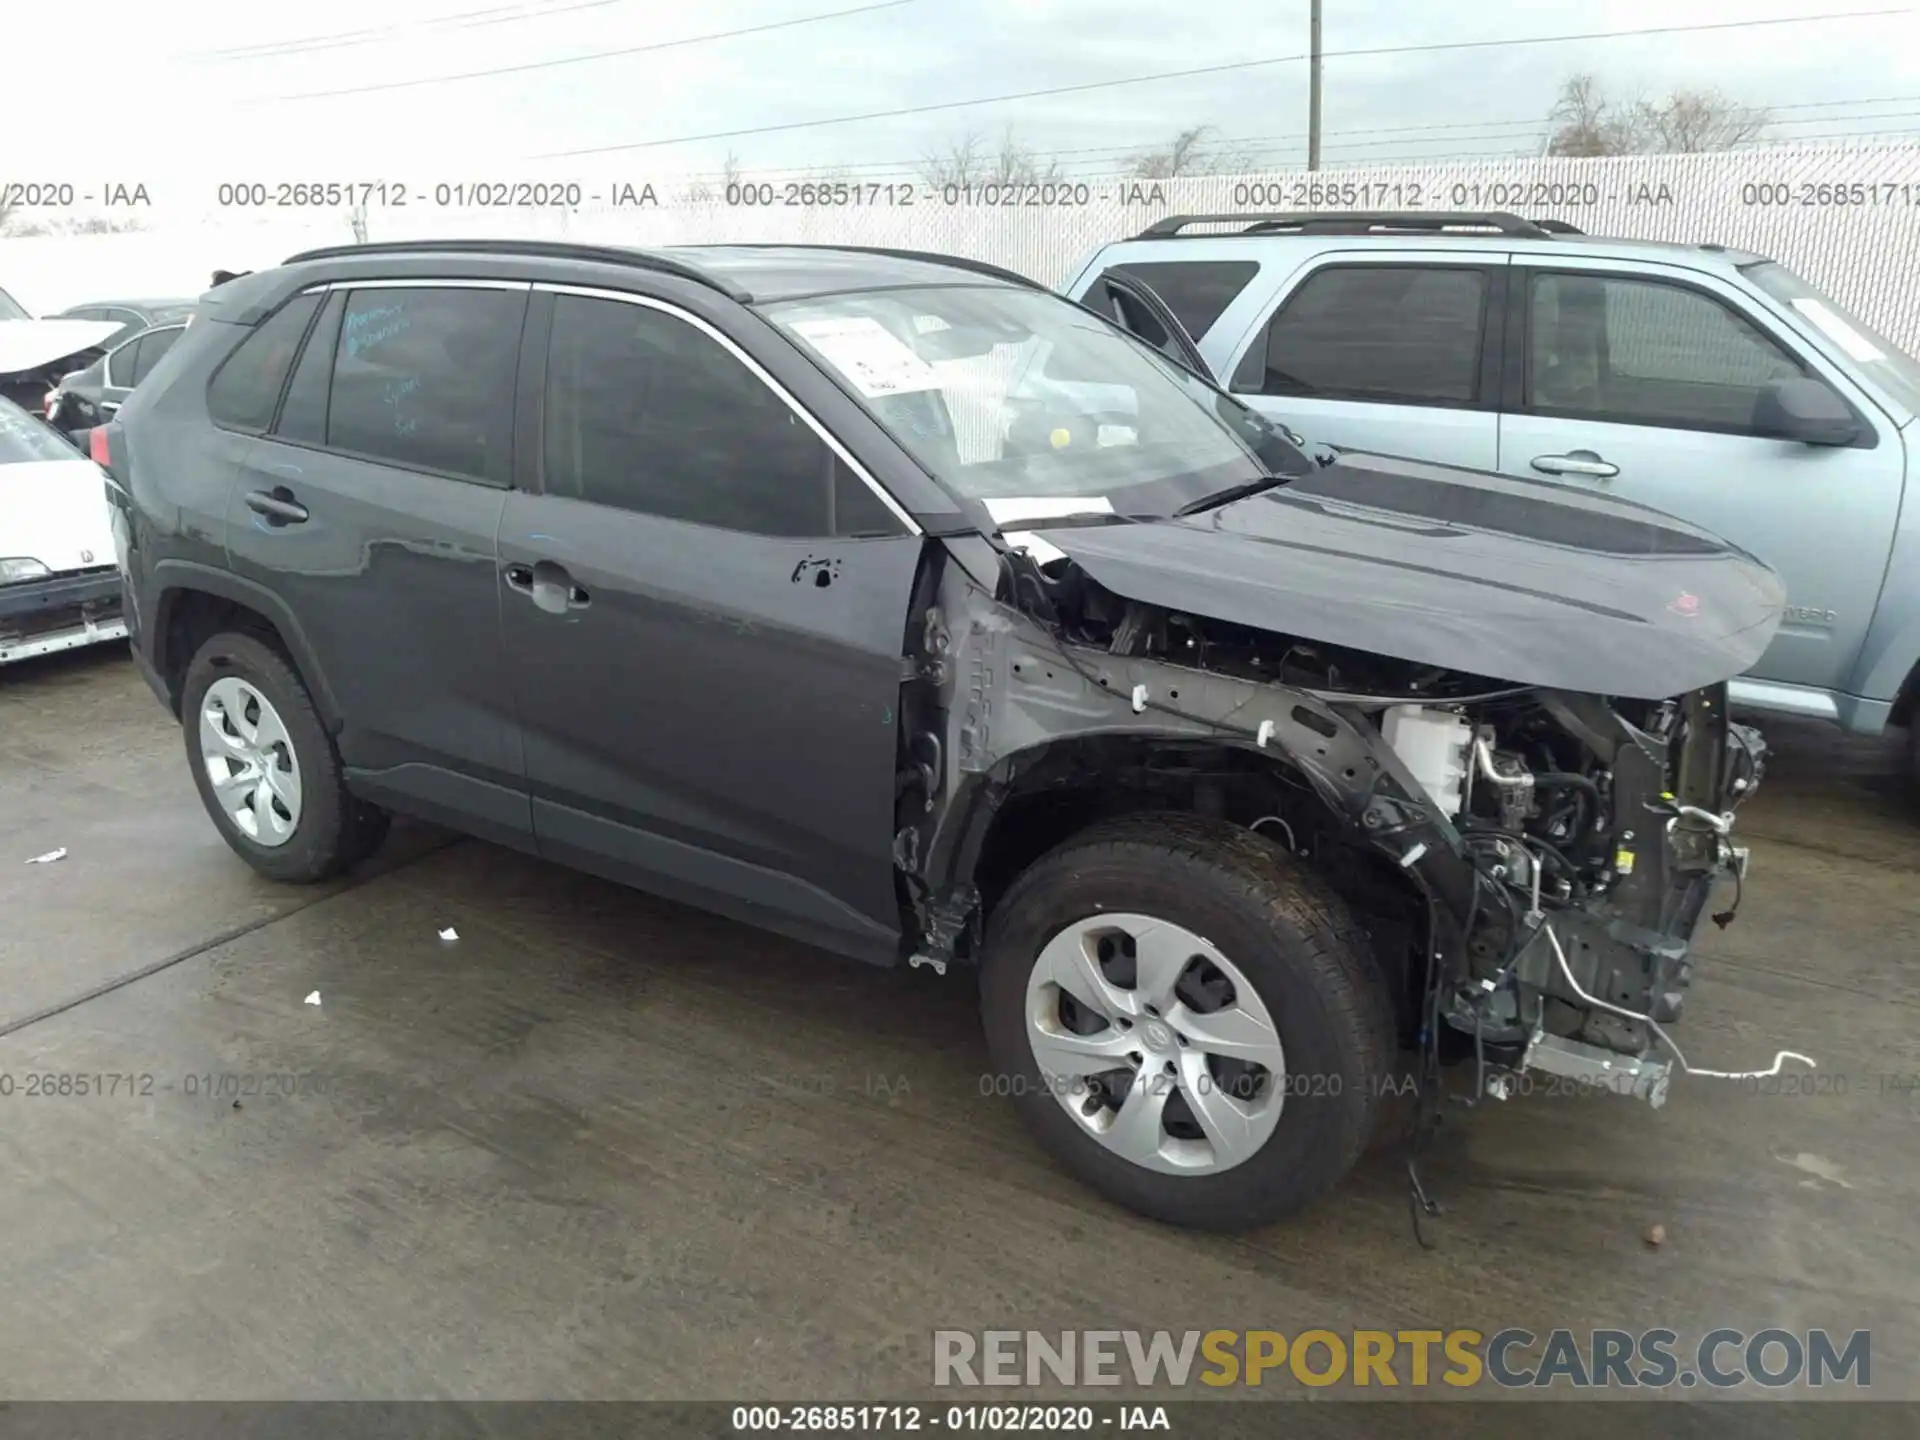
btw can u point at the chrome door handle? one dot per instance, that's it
(1576, 462)
(277, 505)
(548, 585)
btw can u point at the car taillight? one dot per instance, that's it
(98, 449)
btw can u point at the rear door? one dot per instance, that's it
(705, 608)
(1641, 380)
(1398, 354)
(372, 508)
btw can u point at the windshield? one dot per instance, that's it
(12, 309)
(1879, 359)
(1034, 406)
(23, 438)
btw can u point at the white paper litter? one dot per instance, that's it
(49, 857)
(313, 998)
(870, 355)
(449, 934)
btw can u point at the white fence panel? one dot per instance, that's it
(1848, 218)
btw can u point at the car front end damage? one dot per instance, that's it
(48, 613)
(1532, 863)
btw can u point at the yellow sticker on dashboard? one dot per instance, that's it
(1061, 439)
(1623, 861)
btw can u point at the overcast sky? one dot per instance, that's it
(184, 107)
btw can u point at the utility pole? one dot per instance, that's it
(1313, 89)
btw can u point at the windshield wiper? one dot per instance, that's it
(1232, 493)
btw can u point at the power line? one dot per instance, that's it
(1410, 134)
(344, 39)
(1405, 134)
(583, 59)
(1214, 70)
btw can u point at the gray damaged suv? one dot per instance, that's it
(892, 602)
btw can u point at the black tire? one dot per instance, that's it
(1284, 929)
(334, 829)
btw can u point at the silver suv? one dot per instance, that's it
(1710, 383)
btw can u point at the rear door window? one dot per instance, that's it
(1400, 334)
(246, 388)
(1197, 291)
(153, 345)
(424, 378)
(122, 363)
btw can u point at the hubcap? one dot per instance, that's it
(1155, 1043)
(250, 761)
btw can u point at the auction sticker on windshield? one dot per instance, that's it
(869, 355)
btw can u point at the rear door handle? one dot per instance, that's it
(549, 586)
(1576, 462)
(277, 505)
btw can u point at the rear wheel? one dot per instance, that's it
(1188, 1019)
(266, 769)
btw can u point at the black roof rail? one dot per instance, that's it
(1559, 227)
(929, 257)
(537, 249)
(1356, 222)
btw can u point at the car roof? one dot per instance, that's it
(1179, 236)
(149, 303)
(771, 273)
(749, 274)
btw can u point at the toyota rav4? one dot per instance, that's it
(894, 603)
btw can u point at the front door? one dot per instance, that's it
(705, 611)
(1643, 384)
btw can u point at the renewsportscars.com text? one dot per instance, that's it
(1511, 1358)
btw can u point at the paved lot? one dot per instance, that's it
(603, 1147)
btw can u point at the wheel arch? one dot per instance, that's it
(194, 602)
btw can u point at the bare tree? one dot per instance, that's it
(1018, 164)
(1694, 120)
(700, 192)
(961, 163)
(970, 160)
(1586, 122)
(1189, 152)
(6, 216)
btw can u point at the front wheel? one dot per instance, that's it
(265, 766)
(1187, 1019)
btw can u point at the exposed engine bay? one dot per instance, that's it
(1532, 863)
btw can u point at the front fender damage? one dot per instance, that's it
(1520, 946)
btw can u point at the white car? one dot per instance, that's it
(59, 573)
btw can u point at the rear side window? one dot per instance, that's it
(303, 415)
(246, 387)
(1197, 291)
(1407, 334)
(424, 378)
(124, 362)
(152, 347)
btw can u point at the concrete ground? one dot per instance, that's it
(603, 1147)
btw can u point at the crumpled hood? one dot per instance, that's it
(56, 512)
(30, 344)
(1514, 580)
